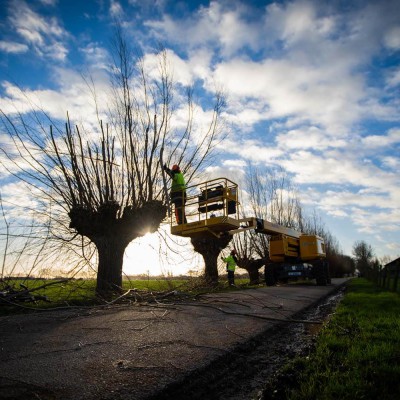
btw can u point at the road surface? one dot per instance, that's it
(137, 351)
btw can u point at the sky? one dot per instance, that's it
(312, 87)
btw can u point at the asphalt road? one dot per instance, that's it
(135, 351)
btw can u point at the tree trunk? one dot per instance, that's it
(254, 276)
(210, 247)
(109, 274)
(252, 267)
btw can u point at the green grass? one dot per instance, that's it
(83, 292)
(389, 284)
(357, 354)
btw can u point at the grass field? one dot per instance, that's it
(357, 355)
(82, 292)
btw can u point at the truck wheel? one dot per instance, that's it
(320, 273)
(270, 275)
(328, 275)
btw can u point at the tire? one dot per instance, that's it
(320, 273)
(270, 275)
(328, 274)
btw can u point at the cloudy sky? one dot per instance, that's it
(312, 86)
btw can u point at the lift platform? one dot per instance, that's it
(212, 208)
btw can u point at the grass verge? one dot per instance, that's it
(357, 355)
(82, 292)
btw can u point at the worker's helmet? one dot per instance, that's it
(233, 251)
(175, 167)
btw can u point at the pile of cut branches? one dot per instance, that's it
(11, 294)
(145, 296)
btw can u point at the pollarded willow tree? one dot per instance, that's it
(109, 180)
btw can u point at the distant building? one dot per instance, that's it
(391, 273)
(393, 265)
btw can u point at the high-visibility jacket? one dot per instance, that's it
(178, 182)
(230, 263)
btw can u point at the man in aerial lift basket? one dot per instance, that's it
(178, 192)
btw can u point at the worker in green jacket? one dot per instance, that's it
(178, 192)
(231, 263)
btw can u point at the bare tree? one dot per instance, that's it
(245, 244)
(363, 254)
(109, 181)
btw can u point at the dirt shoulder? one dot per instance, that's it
(150, 351)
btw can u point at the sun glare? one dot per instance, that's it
(158, 254)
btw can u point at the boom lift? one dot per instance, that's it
(212, 208)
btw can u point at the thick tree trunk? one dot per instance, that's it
(254, 276)
(109, 274)
(209, 248)
(252, 267)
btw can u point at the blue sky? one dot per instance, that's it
(312, 86)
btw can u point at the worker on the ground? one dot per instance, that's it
(178, 192)
(231, 262)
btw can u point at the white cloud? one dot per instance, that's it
(393, 78)
(314, 74)
(377, 141)
(392, 38)
(45, 35)
(49, 2)
(235, 173)
(185, 71)
(72, 95)
(10, 157)
(339, 199)
(297, 20)
(391, 162)
(308, 138)
(289, 89)
(116, 9)
(372, 213)
(394, 248)
(252, 151)
(339, 168)
(178, 68)
(20, 201)
(245, 118)
(234, 163)
(220, 24)
(384, 221)
(96, 56)
(13, 47)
